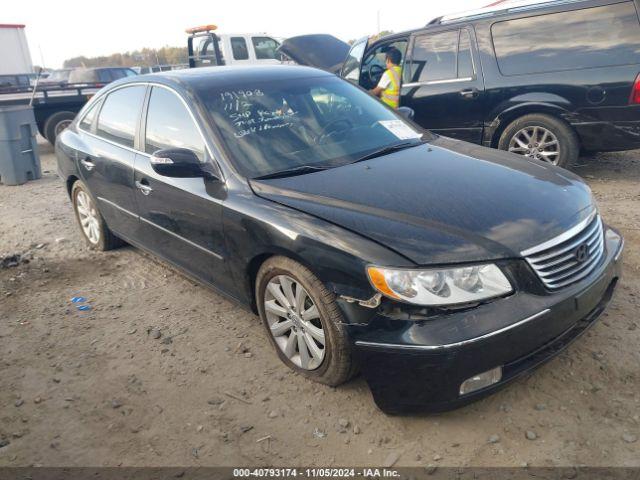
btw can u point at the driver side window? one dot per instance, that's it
(374, 63)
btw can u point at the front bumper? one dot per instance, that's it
(420, 365)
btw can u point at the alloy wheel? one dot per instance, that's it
(536, 142)
(294, 322)
(88, 216)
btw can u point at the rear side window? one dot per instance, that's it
(239, 48)
(169, 125)
(442, 56)
(87, 120)
(265, 48)
(105, 76)
(119, 115)
(592, 37)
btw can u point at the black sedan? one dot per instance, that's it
(439, 269)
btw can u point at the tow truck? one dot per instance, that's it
(207, 48)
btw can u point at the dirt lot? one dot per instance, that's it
(96, 388)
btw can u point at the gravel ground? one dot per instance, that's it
(164, 372)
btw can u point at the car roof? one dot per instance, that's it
(502, 8)
(225, 76)
(497, 10)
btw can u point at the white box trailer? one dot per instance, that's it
(14, 54)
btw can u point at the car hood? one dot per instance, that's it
(442, 202)
(320, 51)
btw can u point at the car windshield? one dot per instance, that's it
(300, 125)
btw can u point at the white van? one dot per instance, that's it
(208, 49)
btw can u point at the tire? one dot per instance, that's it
(81, 200)
(567, 146)
(337, 365)
(54, 125)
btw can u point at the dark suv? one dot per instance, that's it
(544, 80)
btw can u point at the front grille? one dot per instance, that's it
(569, 257)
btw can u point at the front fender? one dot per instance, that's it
(257, 228)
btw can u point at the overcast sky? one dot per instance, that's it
(60, 30)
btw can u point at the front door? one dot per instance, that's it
(443, 85)
(106, 161)
(181, 218)
(374, 62)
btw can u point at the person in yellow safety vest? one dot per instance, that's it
(388, 88)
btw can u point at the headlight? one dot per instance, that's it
(440, 286)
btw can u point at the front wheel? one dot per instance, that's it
(303, 321)
(541, 137)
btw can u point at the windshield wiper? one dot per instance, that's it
(300, 170)
(386, 150)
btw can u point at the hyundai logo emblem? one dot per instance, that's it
(582, 253)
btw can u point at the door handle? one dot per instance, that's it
(469, 93)
(88, 164)
(145, 189)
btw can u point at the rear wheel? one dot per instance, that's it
(93, 227)
(542, 137)
(56, 123)
(303, 321)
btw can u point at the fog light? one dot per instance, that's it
(481, 380)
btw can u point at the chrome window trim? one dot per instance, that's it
(562, 237)
(456, 344)
(437, 82)
(184, 103)
(446, 80)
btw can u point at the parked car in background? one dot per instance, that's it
(159, 68)
(99, 76)
(541, 80)
(58, 77)
(441, 269)
(19, 81)
(207, 49)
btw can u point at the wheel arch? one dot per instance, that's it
(253, 267)
(502, 120)
(71, 180)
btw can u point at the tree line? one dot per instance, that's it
(146, 57)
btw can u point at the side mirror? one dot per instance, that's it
(406, 112)
(179, 163)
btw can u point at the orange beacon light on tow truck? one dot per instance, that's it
(203, 28)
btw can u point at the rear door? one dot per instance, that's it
(443, 85)
(106, 165)
(181, 218)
